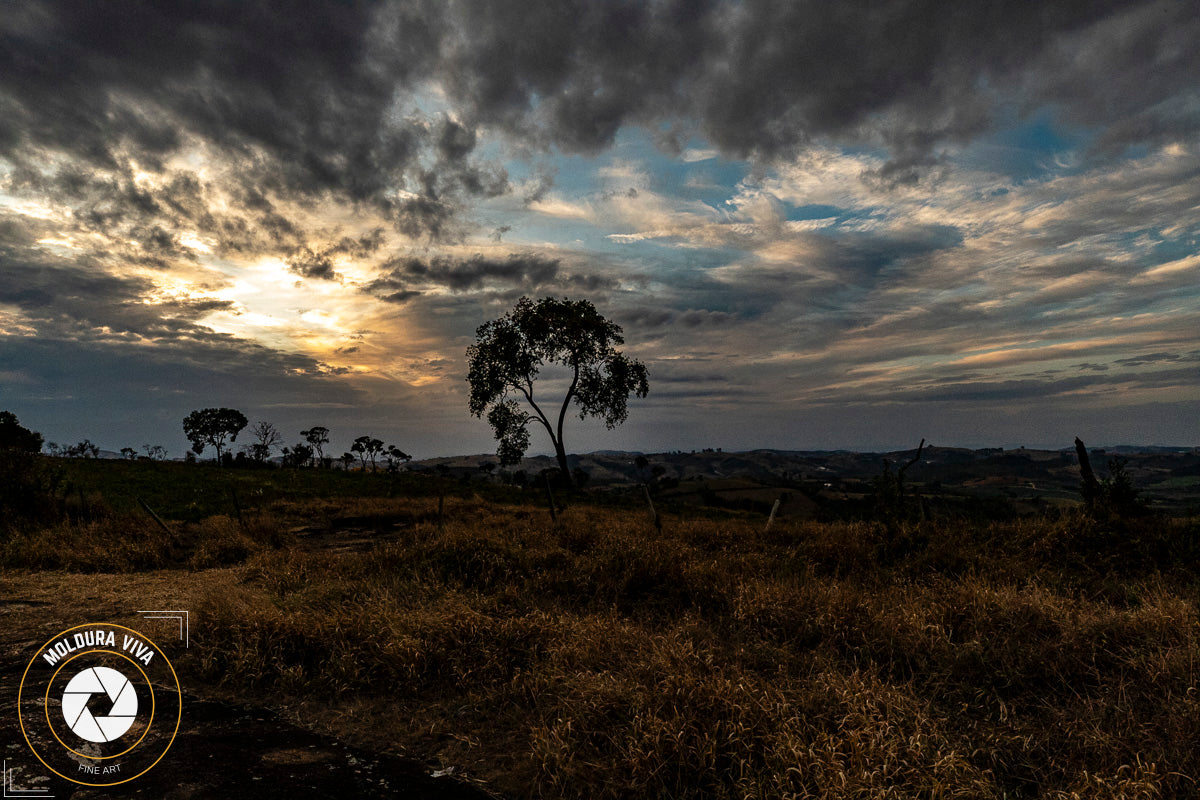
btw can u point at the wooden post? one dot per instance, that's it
(156, 518)
(774, 511)
(653, 511)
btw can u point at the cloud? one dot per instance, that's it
(309, 264)
(767, 78)
(474, 272)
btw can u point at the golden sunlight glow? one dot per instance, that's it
(14, 323)
(194, 242)
(65, 244)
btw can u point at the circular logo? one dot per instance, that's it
(99, 704)
(99, 682)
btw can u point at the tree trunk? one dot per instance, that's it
(561, 454)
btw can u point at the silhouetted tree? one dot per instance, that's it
(368, 449)
(347, 460)
(890, 489)
(1114, 494)
(297, 455)
(129, 453)
(29, 487)
(14, 436)
(155, 452)
(84, 449)
(509, 353)
(212, 426)
(266, 438)
(317, 437)
(396, 457)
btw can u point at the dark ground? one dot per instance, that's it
(223, 749)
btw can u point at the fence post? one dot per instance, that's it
(653, 511)
(157, 519)
(770, 519)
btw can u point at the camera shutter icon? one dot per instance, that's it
(110, 726)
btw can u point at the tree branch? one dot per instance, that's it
(537, 409)
(562, 414)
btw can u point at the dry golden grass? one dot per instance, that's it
(600, 659)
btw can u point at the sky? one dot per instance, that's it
(819, 225)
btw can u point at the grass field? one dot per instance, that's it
(598, 657)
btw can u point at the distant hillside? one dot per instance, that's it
(1168, 476)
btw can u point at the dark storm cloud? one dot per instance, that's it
(313, 84)
(765, 77)
(309, 262)
(592, 285)
(310, 98)
(288, 78)
(300, 100)
(464, 274)
(651, 318)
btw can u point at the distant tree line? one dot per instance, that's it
(219, 428)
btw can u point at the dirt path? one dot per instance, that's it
(223, 749)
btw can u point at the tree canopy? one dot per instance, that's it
(212, 426)
(369, 449)
(317, 437)
(509, 353)
(14, 436)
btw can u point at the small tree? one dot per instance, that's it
(212, 426)
(85, 449)
(266, 437)
(317, 437)
(29, 488)
(129, 453)
(14, 436)
(509, 353)
(347, 460)
(298, 455)
(368, 449)
(396, 457)
(155, 452)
